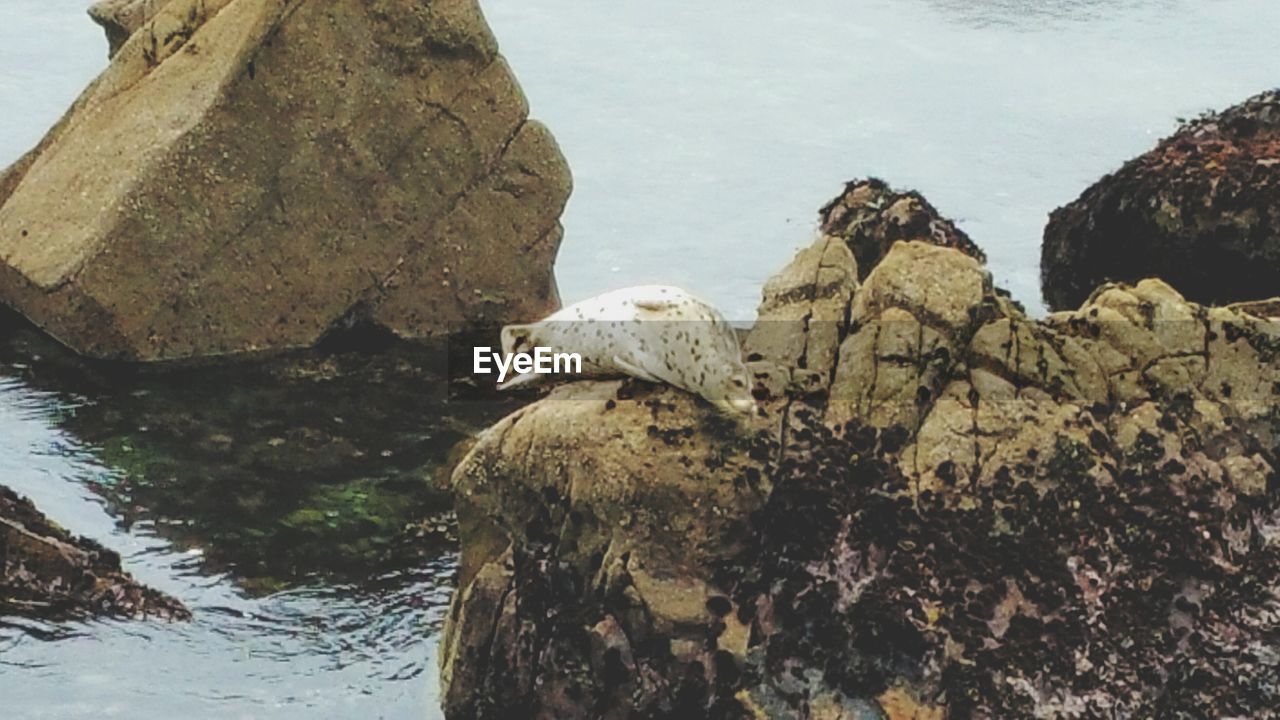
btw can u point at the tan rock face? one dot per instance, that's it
(244, 177)
(122, 18)
(908, 323)
(806, 307)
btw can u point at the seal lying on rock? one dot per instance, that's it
(657, 333)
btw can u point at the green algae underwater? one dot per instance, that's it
(326, 464)
(297, 504)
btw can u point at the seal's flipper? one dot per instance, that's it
(656, 298)
(655, 304)
(518, 380)
(517, 339)
(634, 371)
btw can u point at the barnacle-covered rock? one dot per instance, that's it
(581, 581)
(1201, 211)
(947, 509)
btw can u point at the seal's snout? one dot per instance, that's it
(735, 395)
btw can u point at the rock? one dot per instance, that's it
(908, 321)
(1200, 211)
(1269, 308)
(948, 510)
(870, 217)
(247, 176)
(633, 616)
(122, 18)
(806, 307)
(47, 573)
(579, 584)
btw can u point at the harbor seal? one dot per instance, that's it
(657, 333)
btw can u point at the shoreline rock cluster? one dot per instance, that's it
(948, 509)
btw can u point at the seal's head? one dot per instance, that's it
(518, 338)
(732, 391)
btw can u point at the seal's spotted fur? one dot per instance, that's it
(657, 333)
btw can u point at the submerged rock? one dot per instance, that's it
(47, 573)
(251, 175)
(1201, 211)
(321, 465)
(947, 509)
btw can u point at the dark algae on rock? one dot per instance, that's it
(947, 509)
(870, 217)
(1201, 211)
(1138, 598)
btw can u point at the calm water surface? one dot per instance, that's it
(703, 137)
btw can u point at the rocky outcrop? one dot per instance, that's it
(618, 619)
(47, 573)
(946, 509)
(250, 175)
(122, 18)
(1201, 211)
(871, 216)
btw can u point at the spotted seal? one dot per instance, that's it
(657, 333)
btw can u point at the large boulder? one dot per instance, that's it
(249, 175)
(1201, 211)
(588, 578)
(947, 509)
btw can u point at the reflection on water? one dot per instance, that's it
(1036, 15)
(307, 466)
(271, 498)
(314, 652)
